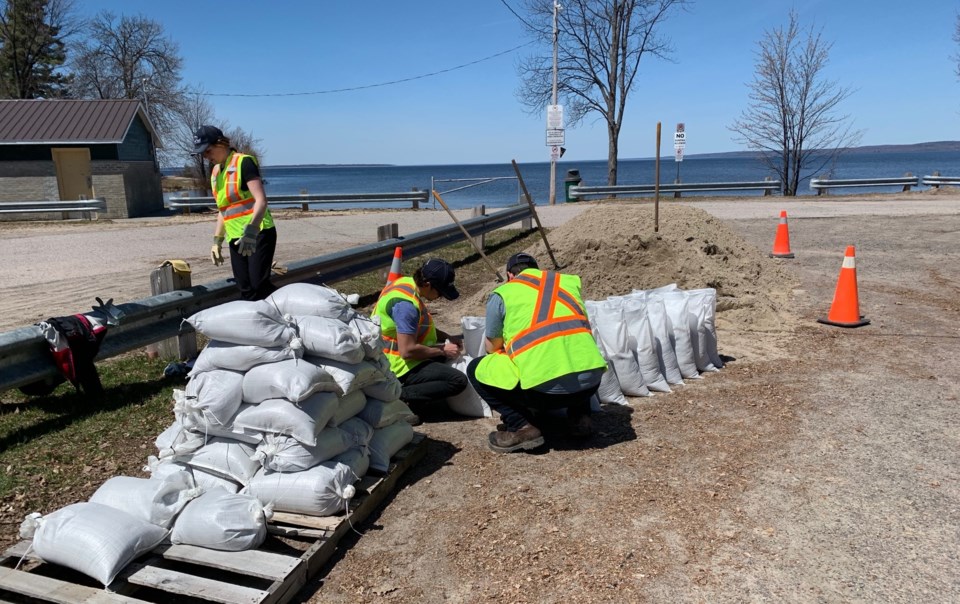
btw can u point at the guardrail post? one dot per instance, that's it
(821, 190)
(481, 239)
(936, 185)
(164, 279)
(766, 192)
(416, 202)
(304, 206)
(676, 194)
(388, 231)
(906, 187)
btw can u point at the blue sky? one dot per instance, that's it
(897, 59)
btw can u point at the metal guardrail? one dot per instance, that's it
(820, 185)
(25, 356)
(413, 197)
(98, 204)
(767, 186)
(936, 180)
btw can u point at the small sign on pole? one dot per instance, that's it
(679, 142)
(555, 137)
(555, 153)
(554, 117)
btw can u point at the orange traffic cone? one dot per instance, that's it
(845, 311)
(395, 267)
(781, 244)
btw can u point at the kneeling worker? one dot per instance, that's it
(542, 354)
(411, 337)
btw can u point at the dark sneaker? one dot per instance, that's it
(582, 427)
(526, 438)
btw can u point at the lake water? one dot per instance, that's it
(292, 180)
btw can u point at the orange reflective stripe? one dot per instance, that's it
(547, 331)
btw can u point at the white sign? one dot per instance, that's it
(678, 154)
(554, 153)
(680, 139)
(554, 117)
(555, 137)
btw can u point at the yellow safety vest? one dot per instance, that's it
(546, 333)
(234, 203)
(404, 288)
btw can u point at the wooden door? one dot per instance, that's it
(73, 173)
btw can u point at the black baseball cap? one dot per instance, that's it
(521, 258)
(204, 137)
(440, 275)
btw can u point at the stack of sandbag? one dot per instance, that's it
(274, 414)
(654, 339)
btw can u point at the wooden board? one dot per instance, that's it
(254, 576)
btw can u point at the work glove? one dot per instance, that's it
(215, 253)
(248, 243)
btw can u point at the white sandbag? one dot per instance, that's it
(285, 454)
(707, 297)
(237, 357)
(329, 338)
(368, 331)
(356, 432)
(696, 322)
(663, 333)
(160, 469)
(349, 377)
(356, 458)
(177, 440)
(210, 399)
(208, 482)
(293, 380)
(349, 406)
(675, 303)
(230, 431)
(606, 319)
(154, 501)
(244, 322)
(643, 343)
(474, 336)
(386, 442)
(378, 413)
(320, 491)
(609, 390)
(91, 538)
(468, 402)
(222, 521)
(225, 458)
(305, 299)
(301, 421)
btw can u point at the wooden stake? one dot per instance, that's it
(533, 210)
(468, 236)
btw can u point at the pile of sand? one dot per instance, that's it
(613, 248)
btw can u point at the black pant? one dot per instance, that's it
(429, 384)
(252, 273)
(516, 406)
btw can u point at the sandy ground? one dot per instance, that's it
(818, 466)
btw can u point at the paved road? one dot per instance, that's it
(57, 269)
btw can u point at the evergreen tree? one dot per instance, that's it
(32, 48)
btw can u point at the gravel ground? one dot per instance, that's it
(825, 473)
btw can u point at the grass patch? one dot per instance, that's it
(58, 449)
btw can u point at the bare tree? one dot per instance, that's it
(132, 58)
(792, 120)
(33, 39)
(599, 47)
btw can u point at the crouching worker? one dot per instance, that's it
(542, 355)
(415, 347)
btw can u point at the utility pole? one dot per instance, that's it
(553, 159)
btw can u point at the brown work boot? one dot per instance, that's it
(527, 437)
(581, 427)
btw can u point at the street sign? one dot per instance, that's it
(678, 155)
(679, 142)
(554, 117)
(555, 137)
(555, 153)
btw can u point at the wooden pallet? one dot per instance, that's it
(298, 548)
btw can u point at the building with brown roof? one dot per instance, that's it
(80, 149)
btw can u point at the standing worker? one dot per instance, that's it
(243, 218)
(542, 355)
(411, 338)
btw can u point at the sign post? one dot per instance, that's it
(679, 142)
(555, 140)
